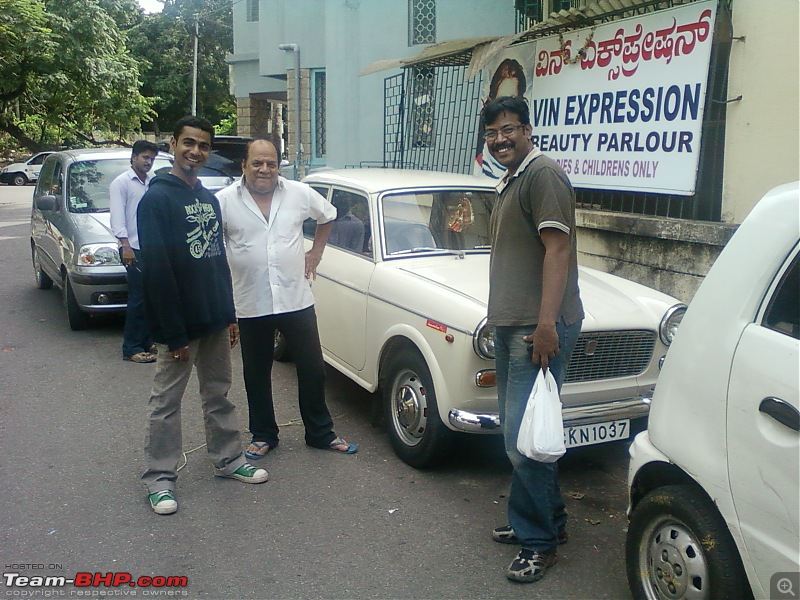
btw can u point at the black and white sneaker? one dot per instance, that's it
(530, 565)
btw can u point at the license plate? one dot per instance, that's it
(597, 433)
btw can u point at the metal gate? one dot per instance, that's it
(431, 119)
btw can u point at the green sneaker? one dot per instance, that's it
(163, 502)
(248, 474)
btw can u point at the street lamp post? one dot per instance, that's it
(296, 50)
(194, 64)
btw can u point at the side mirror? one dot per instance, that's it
(46, 202)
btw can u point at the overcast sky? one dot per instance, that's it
(151, 6)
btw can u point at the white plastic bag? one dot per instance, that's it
(541, 434)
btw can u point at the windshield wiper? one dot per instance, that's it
(456, 253)
(420, 249)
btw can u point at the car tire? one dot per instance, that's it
(43, 281)
(19, 179)
(280, 351)
(416, 431)
(78, 320)
(678, 546)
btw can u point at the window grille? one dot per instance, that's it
(422, 22)
(423, 94)
(252, 11)
(450, 145)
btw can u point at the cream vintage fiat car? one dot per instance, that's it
(401, 298)
(714, 481)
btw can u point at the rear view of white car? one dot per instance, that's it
(714, 480)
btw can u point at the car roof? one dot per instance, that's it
(378, 180)
(80, 154)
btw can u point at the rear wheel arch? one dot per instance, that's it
(658, 474)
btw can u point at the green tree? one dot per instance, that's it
(65, 71)
(164, 43)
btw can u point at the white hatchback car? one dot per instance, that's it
(401, 298)
(714, 480)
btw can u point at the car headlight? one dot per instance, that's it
(669, 323)
(99, 255)
(483, 340)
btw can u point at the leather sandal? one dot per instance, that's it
(140, 357)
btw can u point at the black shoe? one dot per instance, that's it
(530, 565)
(506, 535)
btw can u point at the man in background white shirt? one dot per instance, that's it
(126, 192)
(263, 217)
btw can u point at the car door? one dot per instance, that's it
(343, 277)
(763, 422)
(46, 224)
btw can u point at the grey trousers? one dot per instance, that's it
(211, 356)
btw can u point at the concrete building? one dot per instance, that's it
(399, 83)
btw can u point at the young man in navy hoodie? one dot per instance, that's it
(189, 305)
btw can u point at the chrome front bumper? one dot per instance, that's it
(629, 408)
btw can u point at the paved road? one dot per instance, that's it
(72, 419)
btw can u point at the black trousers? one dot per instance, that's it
(257, 338)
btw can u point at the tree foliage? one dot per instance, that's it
(165, 42)
(72, 68)
(66, 73)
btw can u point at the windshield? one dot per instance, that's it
(428, 221)
(88, 181)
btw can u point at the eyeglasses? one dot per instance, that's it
(507, 131)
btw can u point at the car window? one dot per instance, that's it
(322, 190)
(38, 159)
(46, 178)
(783, 312)
(88, 182)
(449, 220)
(351, 229)
(310, 225)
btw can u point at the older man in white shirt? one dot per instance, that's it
(126, 192)
(263, 217)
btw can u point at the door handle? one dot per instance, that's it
(780, 410)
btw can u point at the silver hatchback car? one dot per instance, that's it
(71, 240)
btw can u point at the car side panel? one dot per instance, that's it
(763, 454)
(402, 305)
(340, 293)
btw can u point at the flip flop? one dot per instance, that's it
(140, 357)
(351, 448)
(259, 446)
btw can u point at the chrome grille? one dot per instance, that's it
(608, 354)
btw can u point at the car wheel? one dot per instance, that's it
(417, 434)
(19, 179)
(78, 319)
(43, 281)
(280, 351)
(678, 546)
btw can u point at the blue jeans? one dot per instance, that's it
(135, 336)
(535, 506)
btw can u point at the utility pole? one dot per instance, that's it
(194, 65)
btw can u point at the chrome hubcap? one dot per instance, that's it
(409, 407)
